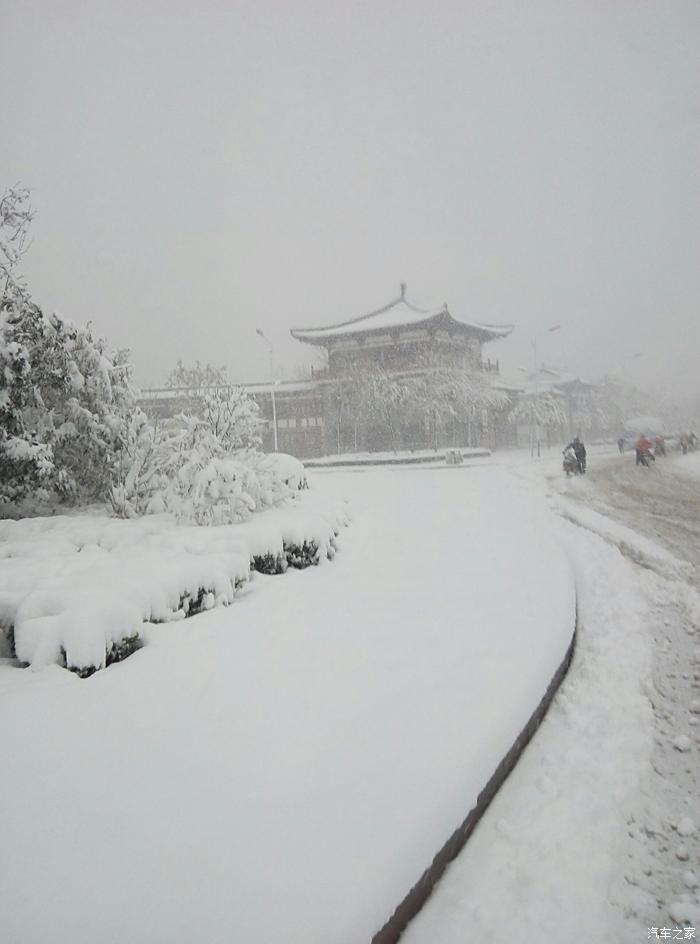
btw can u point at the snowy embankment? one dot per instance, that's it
(78, 590)
(286, 768)
(417, 457)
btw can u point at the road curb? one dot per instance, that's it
(421, 891)
(439, 456)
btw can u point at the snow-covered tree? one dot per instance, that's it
(369, 395)
(136, 476)
(233, 417)
(16, 214)
(62, 394)
(196, 380)
(452, 388)
(61, 406)
(206, 470)
(540, 410)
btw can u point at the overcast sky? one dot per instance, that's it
(203, 169)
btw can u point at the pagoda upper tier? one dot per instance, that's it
(400, 317)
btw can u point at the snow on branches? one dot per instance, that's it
(16, 215)
(542, 409)
(442, 387)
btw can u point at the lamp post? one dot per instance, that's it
(267, 341)
(533, 425)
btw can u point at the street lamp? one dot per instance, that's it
(267, 341)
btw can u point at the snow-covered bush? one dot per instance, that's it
(233, 417)
(208, 472)
(77, 590)
(212, 490)
(136, 475)
(284, 469)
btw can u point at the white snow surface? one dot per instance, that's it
(285, 769)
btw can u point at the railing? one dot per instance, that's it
(323, 373)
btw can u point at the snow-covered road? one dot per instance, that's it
(661, 502)
(595, 836)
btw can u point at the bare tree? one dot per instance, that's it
(197, 380)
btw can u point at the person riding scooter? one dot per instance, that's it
(580, 453)
(570, 463)
(642, 448)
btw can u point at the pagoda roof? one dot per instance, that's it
(544, 380)
(399, 313)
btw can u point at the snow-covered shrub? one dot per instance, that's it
(284, 470)
(233, 417)
(87, 609)
(200, 481)
(118, 651)
(302, 555)
(269, 563)
(136, 475)
(206, 479)
(212, 491)
(76, 590)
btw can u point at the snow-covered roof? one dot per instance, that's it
(280, 387)
(543, 380)
(399, 313)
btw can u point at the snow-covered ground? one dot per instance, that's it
(596, 834)
(284, 769)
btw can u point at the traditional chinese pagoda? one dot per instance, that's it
(398, 334)
(400, 338)
(314, 417)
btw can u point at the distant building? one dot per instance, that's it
(577, 406)
(398, 338)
